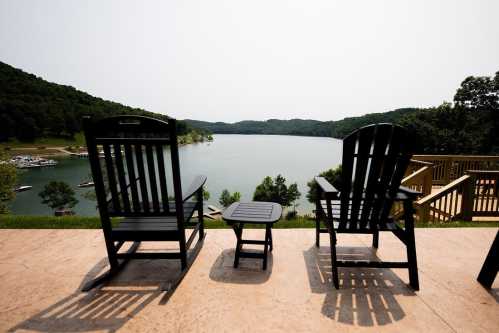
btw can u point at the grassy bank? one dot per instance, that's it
(78, 140)
(81, 222)
(42, 145)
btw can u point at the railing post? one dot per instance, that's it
(468, 198)
(447, 169)
(423, 212)
(427, 182)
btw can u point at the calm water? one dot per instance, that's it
(233, 162)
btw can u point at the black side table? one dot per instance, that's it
(253, 212)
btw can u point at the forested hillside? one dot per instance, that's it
(271, 126)
(337, 129)
(31, 107)
(468, 126)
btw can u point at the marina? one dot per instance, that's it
(29, 162)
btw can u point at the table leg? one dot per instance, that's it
(270, 239)
(266, 245)
(238, 230)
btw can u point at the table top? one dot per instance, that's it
(253, 212)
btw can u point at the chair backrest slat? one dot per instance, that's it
(121, 177)
(111, 176)
(144, 197)
(347, 166)
(374, 161)
(133, 178)
(153, 185)
(162, 177)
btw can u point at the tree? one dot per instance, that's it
(8, 179)
(481, 92)
(333, 176)
(276, 190)
(226, 199)
(58, 195)
(6, 127)
(206, 195)
(480, 95)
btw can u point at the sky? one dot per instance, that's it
(235, 60)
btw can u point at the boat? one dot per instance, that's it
(64, 212)
(23, 188)
(213, 213)
(28, 162)
(44, 162)
(86, 184)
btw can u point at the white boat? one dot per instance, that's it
(44, 162)
(23, 188)
(86, 184)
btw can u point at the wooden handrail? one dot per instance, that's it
(456, 157)
(426, 163)
(483, 172)
(421, 178)
(450, 167)
(441, 192)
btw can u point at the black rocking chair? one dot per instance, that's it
(130, 177)
(375, 158)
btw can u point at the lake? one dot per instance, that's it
(234, 162)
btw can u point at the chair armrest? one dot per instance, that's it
(326, 187)
(195, 186)
(405, 193)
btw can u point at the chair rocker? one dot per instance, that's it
(374, 161)
(128, 158)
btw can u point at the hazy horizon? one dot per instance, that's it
(236, 60)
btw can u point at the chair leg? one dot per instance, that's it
(376, 239)
(317, 232)
(413, 265)
(111, 249)
(334, 266)
(490, 267)
(201, 220)
(238, 230)
(271, 242)
(183, 254)
(266, 245)
(411, 246)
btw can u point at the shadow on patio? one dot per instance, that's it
(249, 270)
(110, 306)
(366, 296)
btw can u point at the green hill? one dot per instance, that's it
(32, 108)
(336, 129)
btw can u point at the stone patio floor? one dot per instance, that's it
(41, 272)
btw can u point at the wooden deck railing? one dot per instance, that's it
(447, 168)
(420, 180)
(473, 194)
(486, 192)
